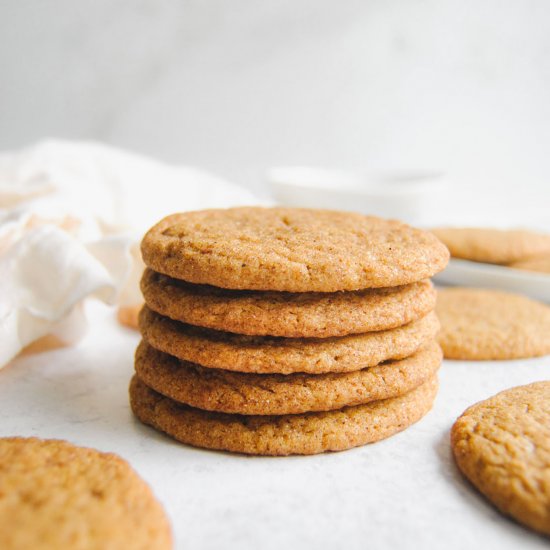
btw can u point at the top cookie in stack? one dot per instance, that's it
(324, 318)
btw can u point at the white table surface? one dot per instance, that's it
(404, 492)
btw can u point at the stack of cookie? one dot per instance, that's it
(286, 331)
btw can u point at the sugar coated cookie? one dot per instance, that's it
(293, 315)
(271, 394)
(264, 354)
(488, 324)
(540, 264)
(291, 249)
(128, 315)
(55, 495)
(494, 246)
(306, 434)
(502, 445)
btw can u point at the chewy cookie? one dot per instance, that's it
(494, 246)
(309, 433)
(268, 355)
(540, 264)
(489, 324)
(502, 445)
(56, 495)
(292, 315)
(277, 394)
(291, 249)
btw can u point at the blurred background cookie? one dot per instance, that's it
(489, 324)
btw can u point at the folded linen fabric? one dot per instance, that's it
(71, 216)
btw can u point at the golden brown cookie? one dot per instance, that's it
(56, 495)
(502, 445)
(293, 315)
(493, 246)
(44, 344)
(291, 249)
(488, 324)
(268, 355)
(306, 434)
(128, 315)
(275, 394)
(539, 264)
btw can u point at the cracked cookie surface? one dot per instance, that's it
(292, 315)
(277, 394)
(291, 249)
(56, 495)
(267, 355)
(488, 324)
(502, 445)
(306, 434)
(494, 246)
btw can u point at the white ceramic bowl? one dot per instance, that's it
(410, 196)
(480, 275)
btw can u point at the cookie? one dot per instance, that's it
(306, 434)
(538, 263)
(502, 445)
(128, 315)
(46, 343)
(264, 354)
(291, 249)
(489, 324)
(292, 315)
(494, 246)
(56, 495)
(278, 394)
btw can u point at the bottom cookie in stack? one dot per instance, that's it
(277, 414)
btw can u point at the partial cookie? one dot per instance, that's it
(540, 264)
(128, 315)
(306, 434)
(268, 355)
(46, 343)
(56, 495)
(300, 315)
(494, 246)
(488, 324)
(291, 249)
(502, 445)
(276, 394)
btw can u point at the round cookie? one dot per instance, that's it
(305, 434)
(56, 495)
(502, 445)
(493, 246)
(292, 315)
(489, 324)
(539, 264)
(278, 394)
(291, 249)
(268, 355)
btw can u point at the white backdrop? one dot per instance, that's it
(238, 86)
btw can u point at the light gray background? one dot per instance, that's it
(238, 86)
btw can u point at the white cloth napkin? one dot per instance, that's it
(71, 218)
